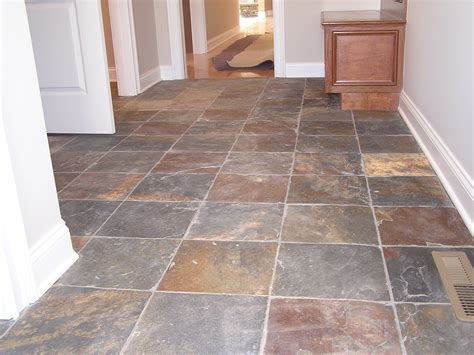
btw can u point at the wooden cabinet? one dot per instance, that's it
(364, 58)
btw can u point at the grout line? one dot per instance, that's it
(384, 262)
(263, 339)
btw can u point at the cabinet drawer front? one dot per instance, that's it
(365, 58)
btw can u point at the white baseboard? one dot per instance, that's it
(51, 257)
(167, 72)
(304, 70)
(453, 176)
(223, 37)
(112, 74)
(150, 78)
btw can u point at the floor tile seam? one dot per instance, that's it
(62, 145)
(101, 156)
(264, 337)
(388, 283)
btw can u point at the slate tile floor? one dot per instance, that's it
(246, 216)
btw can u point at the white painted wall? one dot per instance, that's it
(438, 97)
(40, 228)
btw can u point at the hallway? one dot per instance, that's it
(244, 216)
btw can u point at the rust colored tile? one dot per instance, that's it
(101, 186)
(408, 191)
(126, 162)
(216, 128)
(229, 102)
(266, 143)
(79, 242)
(270, 127)
(63, 179)
(298, 326)
(205, 143)
(225, 114)
(162, 128)
(195, 163)
(332, 164)
(426, 226)
(339, 128)
(221, 267)
(254, 188)
(74, 161)
(397, 165)
(329, 190)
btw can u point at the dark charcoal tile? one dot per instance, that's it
(274, 116)
(125, 128)
(328, 164)
(327, 144)
(330, 271)
(225, 221)
(96, 143)
(204, 143)
(277, 105)
(232, 102)
(196, 163)
(221, 267)
(266, 143)
(422, 226)
(270, 127)
(388, 144)
(249, 188)
(382, 127)
(325, 114)
(101, 186)
(83, 218)
(63, 179)
(299, 326)
(216, 128)
(58, 141)
(74, 161)
(121, 263)
(408, 191)
(351, 190)
(225, 114)
(126, 162)
(322, 128)
(433, 329)
(329, 224)
(173, 187)
(376, 115)
(323, 100)
(146, 143)
(70, 320)
(178, 115)
(258, 163)
(414, 276)
(205, 324)
(397, 165)
(283, 93)
(162, 128)
(133, 116)
(79, 242)
(150, 220)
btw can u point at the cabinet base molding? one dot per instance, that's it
(370, 101)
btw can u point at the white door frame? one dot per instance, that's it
(177, 45)
(198, 26)
(125, 49)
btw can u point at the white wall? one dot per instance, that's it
(40, 228)
(438, 98)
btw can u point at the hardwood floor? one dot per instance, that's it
(200, 65)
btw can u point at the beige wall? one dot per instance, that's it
(108, 33)
(304, 34)
(439, 77)
(146, 34)
(221, 16)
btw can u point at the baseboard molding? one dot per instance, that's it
(150, 78)
(167, 72)
(304, 70)
(51, 257)
(218, 40)
(112, 75)
(454, 178)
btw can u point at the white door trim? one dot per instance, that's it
(177, 44)
(279, 38)
(125, 50)
(198, 26)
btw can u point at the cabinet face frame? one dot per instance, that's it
(360, 86)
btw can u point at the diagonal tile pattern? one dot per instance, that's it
(248, 216)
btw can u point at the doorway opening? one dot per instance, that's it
(228, 39)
